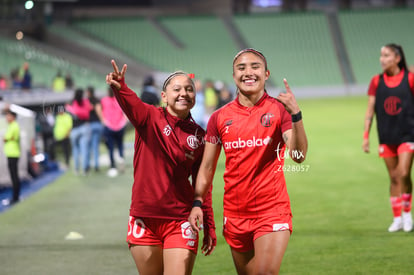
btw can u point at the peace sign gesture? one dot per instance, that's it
(114, 77)
(288, 99)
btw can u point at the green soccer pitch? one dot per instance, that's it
(340, 207)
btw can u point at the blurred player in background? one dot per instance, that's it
(12, 151)
(254, 130)
(390, 98)
(168, 150)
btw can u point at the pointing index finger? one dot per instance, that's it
(288, 90)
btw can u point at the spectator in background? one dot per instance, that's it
(26, 79)
(68, 81)
(58, 84)
(61, 133)
(114, 121)
(211, 97)
(12, 151)
(199, 110)
(149, 93)
(95, 118)
(80, 135)
(225, 96)
(3, 83)
(14, 76)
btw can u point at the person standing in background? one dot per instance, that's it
(199, 110)
(61, 133)
(12, 151)
(81, 132)
(58, 83)
(26, 78)
(114, 121)
(149, 92)
(391, 100)
(95, 118)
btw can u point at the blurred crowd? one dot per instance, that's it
(78, 128)
(20, 78)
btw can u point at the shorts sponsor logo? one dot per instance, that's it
(241, 143)
(280, 227)
(186, 231)
(191, 243)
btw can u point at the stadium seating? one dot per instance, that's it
(366, 31)
(206, 50)
(297, 46)
(42, 64)
(74, 35)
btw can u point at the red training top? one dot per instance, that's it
(255, 184)
(390, 81)
(168, 150)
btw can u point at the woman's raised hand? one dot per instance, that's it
(114, 77)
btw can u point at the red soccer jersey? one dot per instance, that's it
(390, 81)
(168, 150)
(255, 151)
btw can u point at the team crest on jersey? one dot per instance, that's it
(392, 105)
(267, 119)
(192, 141)
(228, 122)
(167, 130)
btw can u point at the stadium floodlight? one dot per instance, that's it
(28, 5)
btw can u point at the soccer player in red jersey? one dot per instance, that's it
(391, 100)
(254, 130)
(168, 150)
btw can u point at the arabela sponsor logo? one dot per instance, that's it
(241, 143)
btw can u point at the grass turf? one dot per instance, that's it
(340, 207)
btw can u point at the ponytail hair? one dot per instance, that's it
(398, 50)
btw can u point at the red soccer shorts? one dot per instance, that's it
(241, 233)
(389, 151)
(163, 232)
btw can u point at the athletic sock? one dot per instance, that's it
(406, 202)
(396, 205)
